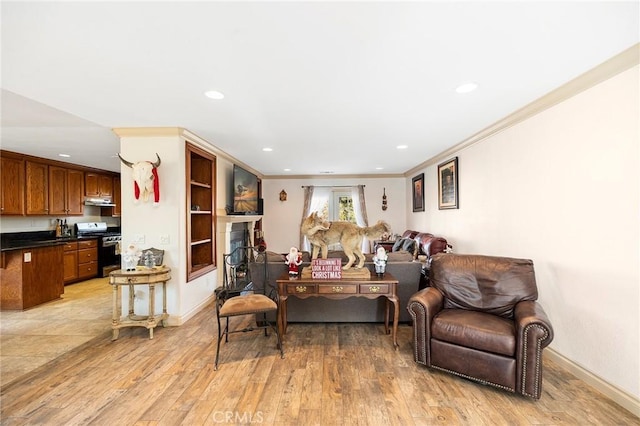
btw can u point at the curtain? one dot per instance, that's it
(360, 210)
(314, 200)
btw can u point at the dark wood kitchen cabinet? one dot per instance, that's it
(30, 277)
(98, 185)
(70, 262)
(37, 188)
(87, 259)
(66, 191)
(12, 186)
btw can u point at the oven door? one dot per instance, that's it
(108, 257)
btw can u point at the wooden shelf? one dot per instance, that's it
(201, 207)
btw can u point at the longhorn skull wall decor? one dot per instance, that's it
(145, 178)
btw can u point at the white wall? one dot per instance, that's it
(281, 223)
(168, 218)
(563, 188)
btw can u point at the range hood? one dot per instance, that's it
(100, 202)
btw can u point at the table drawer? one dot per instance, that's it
(139, 278)
(301, 289)
(374, 288)
(338, 289)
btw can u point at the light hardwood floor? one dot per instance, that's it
(332, 374)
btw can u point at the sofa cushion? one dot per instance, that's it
(275, 257)
(399, 256)
(476, 330)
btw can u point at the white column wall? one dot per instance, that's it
(168, 218)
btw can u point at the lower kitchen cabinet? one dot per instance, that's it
(87, 259)
(30, 277)
(70, 262)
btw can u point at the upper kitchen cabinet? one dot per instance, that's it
(98, 185)
(116, 210)
(66, 191)
(12, 186)
(37, 188)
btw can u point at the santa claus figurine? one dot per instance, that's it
(294, 260)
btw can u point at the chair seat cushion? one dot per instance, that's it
(477, 330)
(248, 304)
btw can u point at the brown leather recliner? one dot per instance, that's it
(480, 320)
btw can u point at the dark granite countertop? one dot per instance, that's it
(29, 240)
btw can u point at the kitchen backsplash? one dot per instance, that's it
(47, 223)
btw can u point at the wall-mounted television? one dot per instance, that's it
(246, 197)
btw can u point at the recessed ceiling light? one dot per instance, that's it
(326, 172)
(379, 168)
(287, 170)
(402, 146)
(64, 155)
(467, 87)
(214, 94)
(267, 149)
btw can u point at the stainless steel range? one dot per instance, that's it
(108, 244)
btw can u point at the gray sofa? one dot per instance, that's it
(353, 309)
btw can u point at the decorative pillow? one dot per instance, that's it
(406, 244)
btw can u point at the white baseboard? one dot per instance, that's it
(620, 397)
(174, 320)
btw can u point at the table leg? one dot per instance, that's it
(115, 319)
(132, 294)
(282, 316)
(164, 303)
(396, 317)
(152, 303)
(386, 316)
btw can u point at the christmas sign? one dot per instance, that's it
(326, 269)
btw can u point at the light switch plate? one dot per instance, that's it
(27, 256)
(164, 239)
(139, 238)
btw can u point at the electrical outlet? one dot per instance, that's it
(139, 238)
(164, 239)
(27, 257)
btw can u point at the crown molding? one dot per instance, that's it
(332, 176)
(621, 62)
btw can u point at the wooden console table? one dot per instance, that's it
(142, 276)
(371, 288)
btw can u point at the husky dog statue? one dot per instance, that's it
(322, 233)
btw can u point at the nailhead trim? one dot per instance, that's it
(423, 311)
(538, 376)
(484, 382)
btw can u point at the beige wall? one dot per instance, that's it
(282, 218)
(562, 188)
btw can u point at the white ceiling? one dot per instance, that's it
(329, 86)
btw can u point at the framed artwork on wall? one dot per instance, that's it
(418, 193)
(448, 184)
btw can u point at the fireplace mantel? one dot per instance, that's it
(224, 224)
(238, 218)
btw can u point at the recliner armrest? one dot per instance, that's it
(533, 333)
(423, 306)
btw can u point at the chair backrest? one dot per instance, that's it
(483, 283)
(237, 274)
